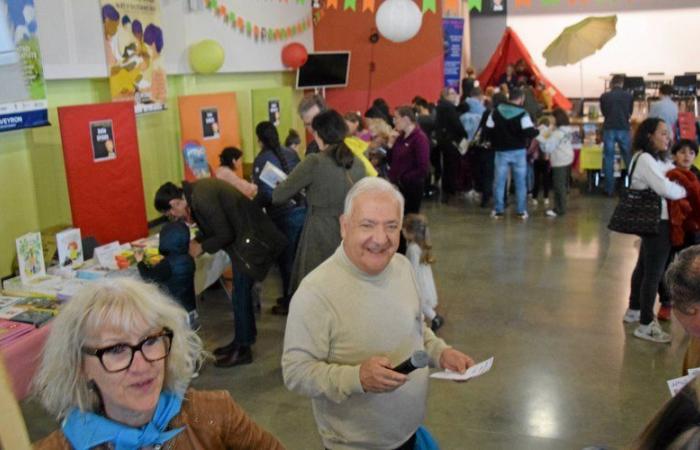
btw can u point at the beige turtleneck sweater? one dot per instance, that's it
(338, 318)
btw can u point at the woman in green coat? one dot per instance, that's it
(326, 177)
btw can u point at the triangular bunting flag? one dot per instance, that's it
(474, 4)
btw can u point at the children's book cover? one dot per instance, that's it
(30, 257)
(70, 248)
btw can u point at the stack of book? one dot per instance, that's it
(35, 311)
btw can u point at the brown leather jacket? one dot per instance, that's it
(212, 421)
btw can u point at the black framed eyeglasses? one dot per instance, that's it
(118, 357)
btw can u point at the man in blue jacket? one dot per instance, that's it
(616, 106)
(509, 128)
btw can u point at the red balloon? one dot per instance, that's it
(294, 55)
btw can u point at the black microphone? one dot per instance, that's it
(418, 360)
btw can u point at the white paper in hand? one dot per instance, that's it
(272, 175)
(473, 372)
(677, 384)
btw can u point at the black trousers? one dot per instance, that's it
(653, 255)
(436, 162)
(543, 178)
(450, 168)
(413, 195)
(486, 172)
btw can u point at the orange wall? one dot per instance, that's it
(401, 70)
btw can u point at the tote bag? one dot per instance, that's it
(638, 212)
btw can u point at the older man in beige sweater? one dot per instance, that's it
(354, 318)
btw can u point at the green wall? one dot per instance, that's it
(35, 194)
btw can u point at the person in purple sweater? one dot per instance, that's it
(409, 158)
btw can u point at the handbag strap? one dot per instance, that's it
(633, 164)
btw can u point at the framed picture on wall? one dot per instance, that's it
(210, 123)
(102, 139)
(273, 111)
(491, 7)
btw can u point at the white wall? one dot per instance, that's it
(646, 41)
(70, 36)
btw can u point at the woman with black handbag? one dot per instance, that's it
(648, 172)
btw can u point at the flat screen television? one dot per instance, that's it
(323, 70)
(685, 85)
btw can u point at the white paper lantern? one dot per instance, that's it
(398, 20)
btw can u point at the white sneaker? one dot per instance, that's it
(546, 201)
(631, 316)
(652, 332)
(524, 215)
(534, 202)
(550, 213)
(496, 215)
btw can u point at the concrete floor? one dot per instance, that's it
(544, 297)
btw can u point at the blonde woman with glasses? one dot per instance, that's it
(116, 370)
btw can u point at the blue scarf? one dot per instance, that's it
(85, 430)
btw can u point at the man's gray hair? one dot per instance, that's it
(310, 101)
(372, 184)
(683, 279)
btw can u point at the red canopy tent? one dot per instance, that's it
(509, 51)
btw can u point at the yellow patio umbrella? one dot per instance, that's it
(579, 41)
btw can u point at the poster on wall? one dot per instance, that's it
(106, 194)
(273, 111)
(210, 123)
(276, 106)
(452, 35)
(133, 42)
(102, 140)
(23, 94)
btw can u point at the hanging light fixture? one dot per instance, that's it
(398, 20)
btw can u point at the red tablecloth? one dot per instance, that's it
(22, 359)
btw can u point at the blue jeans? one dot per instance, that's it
(243, 315)
(291, 225)
(610, 137)
(517, 161)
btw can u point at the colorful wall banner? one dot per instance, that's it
(23, 94)
(133, 41)
(210, 120)
(452, 34)
(369, 5)
(257, 31)
(103, 170)
(451, 7)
